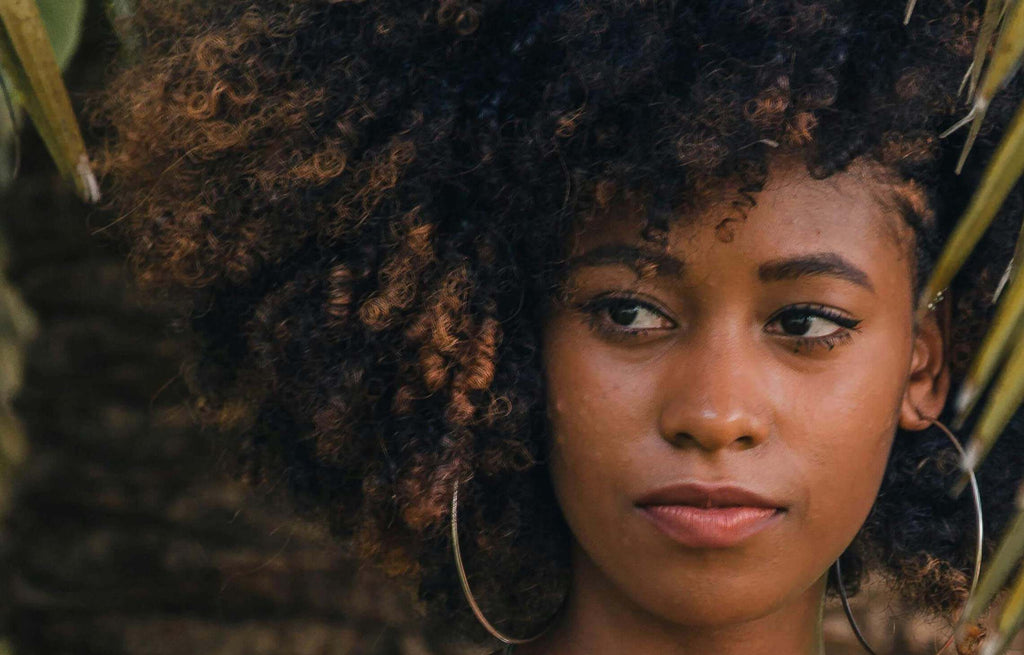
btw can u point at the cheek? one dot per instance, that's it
(842, 438)
(599, 418)
(590, 402)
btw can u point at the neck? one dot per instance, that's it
(599, 620)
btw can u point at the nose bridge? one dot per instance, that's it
(713, 395)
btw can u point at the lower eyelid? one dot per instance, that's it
(830, 342)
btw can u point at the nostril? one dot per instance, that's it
(680, 439)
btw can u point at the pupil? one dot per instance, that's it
(623, 316)
(797, 325)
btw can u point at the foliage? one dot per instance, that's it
(32, 75)
(998, 55)
(31, 57)
(30, 78)
(63, 20)
(17, 326)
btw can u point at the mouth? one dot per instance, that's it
(710, 516)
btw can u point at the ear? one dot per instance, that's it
(928, 385)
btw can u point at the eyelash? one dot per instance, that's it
(595, 312)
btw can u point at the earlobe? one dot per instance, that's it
(929, 380)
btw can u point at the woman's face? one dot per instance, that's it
(774, 354)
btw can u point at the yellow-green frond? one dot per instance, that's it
(994, 12)
(1001, 336)
(1010, 620)
(998, 570)
(1002, 173)
(30, 64)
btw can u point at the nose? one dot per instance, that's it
(713, 396)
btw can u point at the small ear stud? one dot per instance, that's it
(936, 300)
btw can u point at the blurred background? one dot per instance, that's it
(121, 531)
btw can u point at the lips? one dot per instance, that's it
(710, 515)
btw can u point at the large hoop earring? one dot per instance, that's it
(979, 531)
(467, 592)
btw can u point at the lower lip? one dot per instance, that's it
(711, 527)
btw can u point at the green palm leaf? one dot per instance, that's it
(30, 77)
(28, 59)
(1002, 34)
(1010, 620)
(1006, 398)
(994, 12)
(1002, 334)
(63, 20)
(999, 569)
(1002, 173)
(1005, 60)
(34, 47)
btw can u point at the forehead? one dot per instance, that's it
(857, 213)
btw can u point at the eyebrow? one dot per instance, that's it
(823, 263)
(635, 257)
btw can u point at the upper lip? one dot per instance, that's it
(700, 494)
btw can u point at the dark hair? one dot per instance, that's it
(364, 206)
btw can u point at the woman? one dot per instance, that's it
(635, 280)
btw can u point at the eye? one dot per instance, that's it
(810, 321)
(633, 315)
(625, 316)
(802, 324)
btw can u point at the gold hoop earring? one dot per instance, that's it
(467, 592)
(979, 532)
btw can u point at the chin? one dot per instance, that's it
(716, 611)
(709, 600)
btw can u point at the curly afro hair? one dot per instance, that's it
(363, 208)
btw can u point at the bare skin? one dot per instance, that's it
(781, 359)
